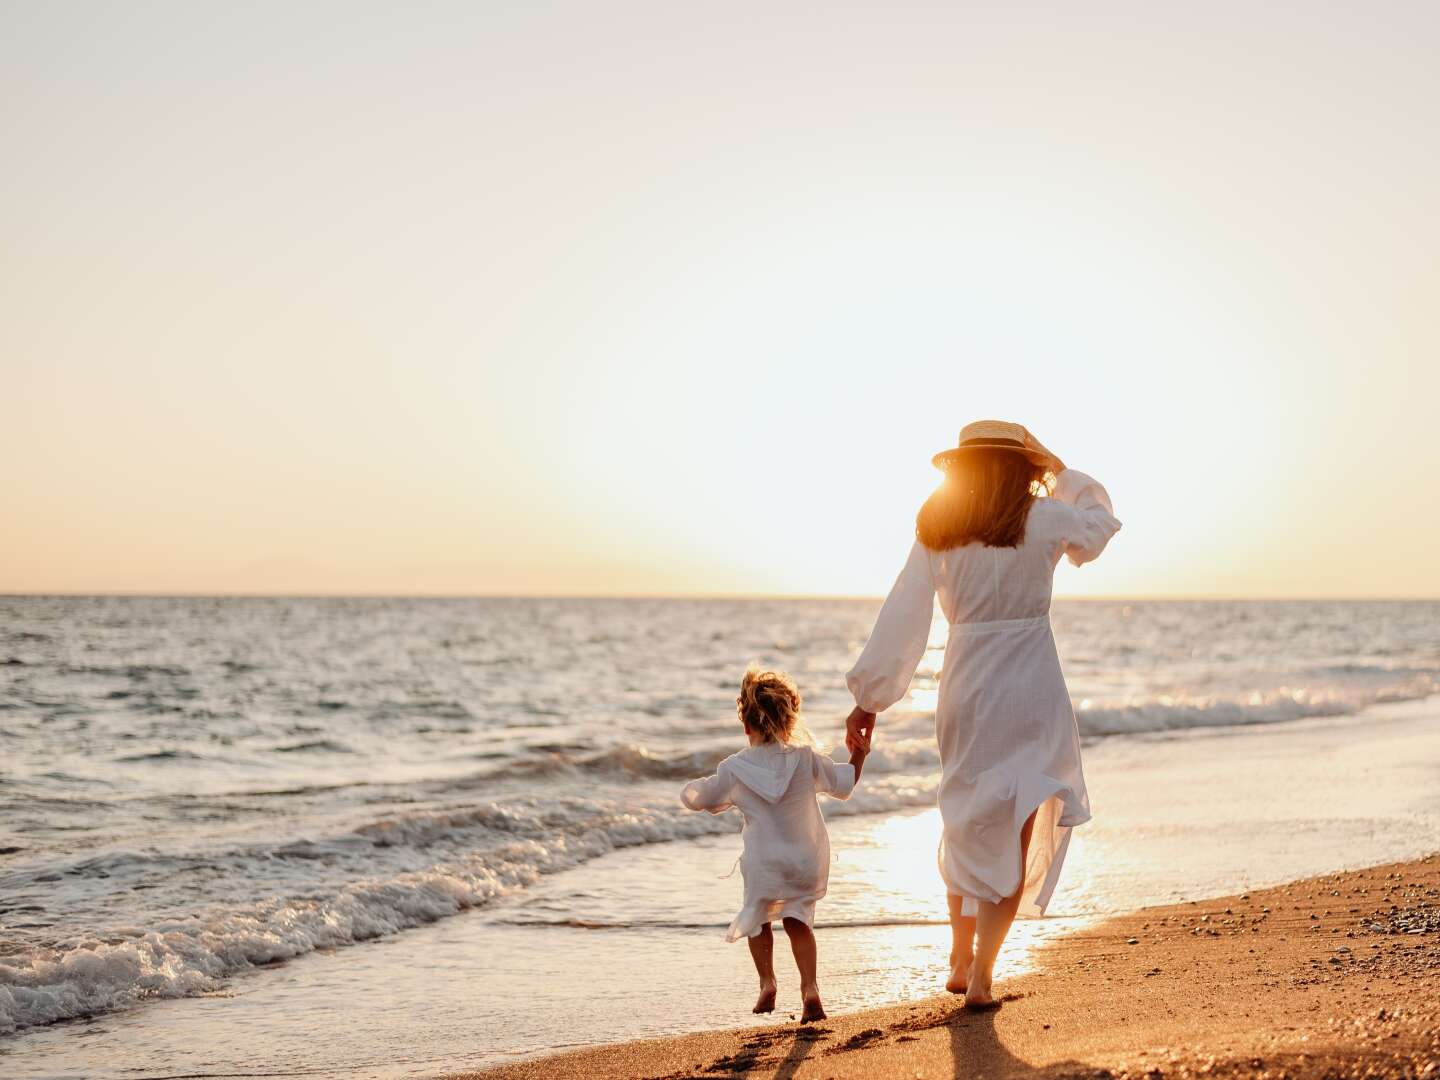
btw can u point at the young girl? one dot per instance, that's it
(786, 861)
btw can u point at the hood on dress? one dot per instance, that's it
(767, 769)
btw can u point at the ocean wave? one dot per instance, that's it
(1172, 713)
(1367, 685)
(329, 746)
(163, 755)
(1174, 716)
(915, 749)
(268, 793)
(628, 761)
(441, 709)
(632, 759)
(129, 671)
(1382, 671)
(101, 972)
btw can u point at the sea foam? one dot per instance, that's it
(187, 956)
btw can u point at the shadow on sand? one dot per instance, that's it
(758, 1054)
(976, 1048)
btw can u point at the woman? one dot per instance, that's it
(1011, 786)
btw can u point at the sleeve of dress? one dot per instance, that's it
(882, 674)
(711, 793)
(832, 777)
(1094, 518)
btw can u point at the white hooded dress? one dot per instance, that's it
(786, 858)
(1009, 745)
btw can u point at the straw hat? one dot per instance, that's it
(997, 435)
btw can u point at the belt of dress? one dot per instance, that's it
(995, 625)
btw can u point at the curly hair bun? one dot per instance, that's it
(769, 703)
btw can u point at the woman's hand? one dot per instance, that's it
(859, 726)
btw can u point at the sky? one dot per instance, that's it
(653, 298)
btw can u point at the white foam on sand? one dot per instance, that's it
(1177, 816)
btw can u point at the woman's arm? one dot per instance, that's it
(1095, 522)
(888, 662)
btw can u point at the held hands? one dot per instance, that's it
(859, 727)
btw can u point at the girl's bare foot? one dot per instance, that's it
(813, 1009)
(959, 971)
(978, 995)
(766, 1001)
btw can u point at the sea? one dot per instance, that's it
(399, 837)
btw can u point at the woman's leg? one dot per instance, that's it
(762, 951)
(802, 944)
(991, 926)
(962, 945)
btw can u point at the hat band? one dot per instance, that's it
(1011, 443)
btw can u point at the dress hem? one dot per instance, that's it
(1037, 879)
(751, 921)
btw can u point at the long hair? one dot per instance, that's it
(986, 496)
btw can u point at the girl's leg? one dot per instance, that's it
(962, 945)
(762, 951)
(802, 944)
(991, 926)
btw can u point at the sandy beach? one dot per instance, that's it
(1333, 976)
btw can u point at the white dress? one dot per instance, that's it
(1009, 745)
(786, 858)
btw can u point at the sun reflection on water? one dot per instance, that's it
(885, 874)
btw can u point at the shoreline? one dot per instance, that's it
(1329, 976)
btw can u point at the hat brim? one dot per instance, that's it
(1035, 457)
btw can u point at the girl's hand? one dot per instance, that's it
(859, 726)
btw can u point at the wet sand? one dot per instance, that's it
(1334, 976)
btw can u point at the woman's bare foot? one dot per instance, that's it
(978, 994)
(959, 971)
(813, 1009)
(766, 1001)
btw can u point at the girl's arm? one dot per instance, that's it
(831, 778)
(857, 759)
(711, 793)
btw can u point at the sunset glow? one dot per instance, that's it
(464, 307)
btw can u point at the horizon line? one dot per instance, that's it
(1100, 598)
